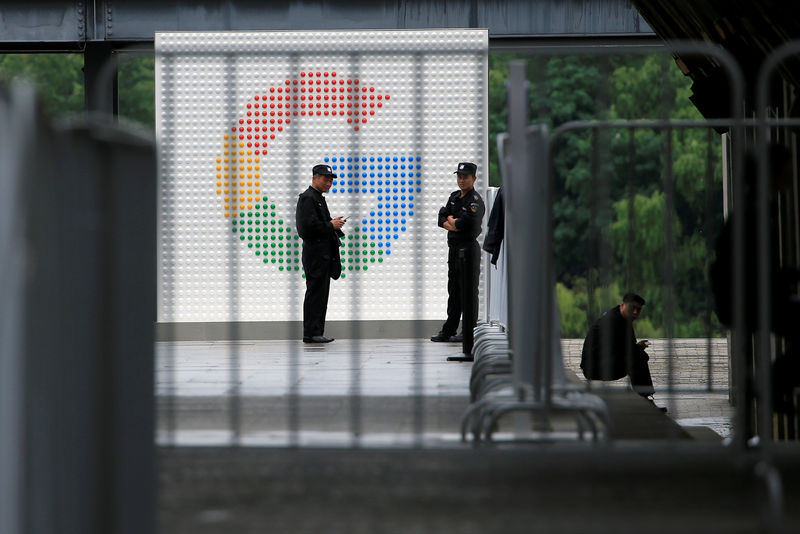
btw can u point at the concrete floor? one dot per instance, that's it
(350, 438)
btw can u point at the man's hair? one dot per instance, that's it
(633, 297)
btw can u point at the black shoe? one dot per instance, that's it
(663, 409)
(317, 339)
(440, 338)
(458, 338)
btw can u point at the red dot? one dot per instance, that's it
(249, 144)
(319, 113)
(271, 89)
(302, 74)
(380, 105)
(272, 136)
(249, 113)
(288, 82)
(333, 73)
(248, 106)
(319, 89)
(380, 97)
(241, 121)
(364, 88)
(256, 97)
(371, 89)
(302, 113)
(295, 83)
(241, 136)
(326, 74)
(233, 129)
(387, 97)
(326, 113)
(302, 82)
(349, 81)
(295, 113)
(364, 121)
(290, 120)
(318, 74)
(280, 128)
(319, 82)
(371, 112)
(355, 128)
(355, 81)
(349, 121)
(280, 90)
(341, 82)
(257, 152)
(241, 129)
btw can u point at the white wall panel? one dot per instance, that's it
(241, 119)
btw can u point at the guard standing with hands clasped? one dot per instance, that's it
(321, 261)
(462, 217)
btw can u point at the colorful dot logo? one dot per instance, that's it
(392, 179)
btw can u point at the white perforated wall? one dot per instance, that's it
(242, 117)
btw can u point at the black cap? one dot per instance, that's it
(466, 167)
(324, 170)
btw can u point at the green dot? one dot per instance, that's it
(380, 260)
(272, 214)
(371, 259)
(297, 269)
(273, 260)
(304, 275)
(365, 267)
(249, 245)
(355, 229)
(350, 268)
(233, 222)
(257, 207)
(265, 198)
(272, 206)
(280, 268)
(266, 260)
(241, 237)
(364, 260)
(372, 252)
(288, 229)
(280, 260)
(342, 260)
(380, 252)
(258, 230)
(372, 244)
(250, 230)
(280, 221)
(249, 213)
(241, 230)
(344, 276)
(234, 230)
(258, 253)
(258, 245)
(257, 213)
(241, 214)
(280, 253)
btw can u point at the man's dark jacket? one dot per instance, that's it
(608, 346)
(496, 228)
(320, 239)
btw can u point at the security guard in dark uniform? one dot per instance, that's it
(462, 217)
(321, 260)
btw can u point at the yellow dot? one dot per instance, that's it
(241, 206)
(227, 183)
(258, 168)
(249, 206)
(258, 191)
(241, 145)
(226, 213)
(219, 184)
(227, 199)
(249, 160)
(225, 136)
(258, 183)
(258, 160)
(249, 191)
(241, 176)
(227, 175)
(226, 168)
(219, 191)
(219, 175)
(226, 160)
(241, 199)
(241, 160)
(226, 145)
(241, 183)
(249, 199)
(249, 168)
(219, 168)
(249, 183)
(249, 175)
(218, 160)
(249, 152)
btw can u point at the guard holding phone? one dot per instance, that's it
(462, 217)
(321, 261)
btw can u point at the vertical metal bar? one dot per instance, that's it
(669, 239)
(166, 230)
(629, 270)
(709, 242)
(355, 357)
(295, 297)
(522, 244)
(419, 378)
(234, 399)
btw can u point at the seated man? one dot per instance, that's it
(610, 351)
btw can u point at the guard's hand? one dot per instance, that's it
(644, 343)
(337, 223)
(449, 226)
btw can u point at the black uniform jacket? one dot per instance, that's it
(320, 239)
(496, 227)
(468, 212)
(607, 346)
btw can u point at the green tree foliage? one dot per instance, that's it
(137, 89)
(58, 79)
(612, 189)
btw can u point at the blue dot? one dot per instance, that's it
(403, 158)
(371, 189)
(403, 213)
(363, 175)
(380, 174)
(349, 189)
(380, 228)
(364, 190)
(333, 158)
(403, 205)
(363, 221)
(380, 190)
(410, 213)
(381, 237)
(388, 245)
(349, 174)
(327, 158)
(372, 182)
(380, 206)
(372, 214)
(403, 220)
(372, 158)
(403, 190)
(419, 182)
(333, 190)
(372, 221)
(372, 166)
(394, 197)
(394, 190)
(402, 174)
(395, 166)
(349, 158)
(402, 166)
(363, 159)
(380, 158)
(403, 228)
(380, 245)
(410, 205)
(395, 235)
(395, 221)
(418, 158)
(395, 213)
(410, 197)
(395, 158)
(419, 174)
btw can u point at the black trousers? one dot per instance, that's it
(639, 373)
(463, 276)
(315, 304)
